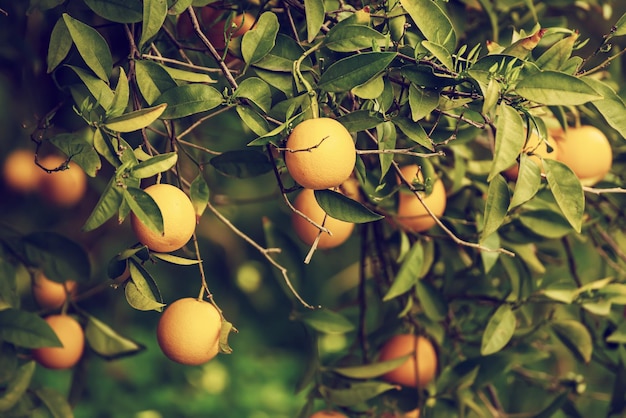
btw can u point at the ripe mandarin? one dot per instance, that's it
(50, 294)
(64, 188)
(411, 213)
(320, 153)
(188, 331)
(587, 151)
(20, 173)
(179, 219)
(307, 204)
(72, 337)
(420, 367)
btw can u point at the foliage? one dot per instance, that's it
(521, 284)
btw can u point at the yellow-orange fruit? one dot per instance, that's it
(328, 414)
(63, 188)
(50, 294)
(536, 150)
(412, 214)
(587, 151)
(71, 335)
(188, 331)
(307, 232)
(410, 414)
(320, 153)
(419, 369)
(20, 173)
(179, 219)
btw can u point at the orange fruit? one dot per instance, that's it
(20, 173)
(188, 331)
(179, 219)
(63, 188)
(410, 414)
(50, 294)
(536, 150)
(320, 153)
(420, 367)
(587, 151)
(411, 213)
(72, 337)
(328, 414)
(213, 21)
(307, 232)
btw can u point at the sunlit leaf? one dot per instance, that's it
(135, 120)
(108, 343)
(546, 223)
(315, 13)
(257, 91)
(528, 181)
(91, 46)
(567, 191)
(556, 88)
(120, 96)
(498, 199)
(141, 290)
(154, 165)
(80, 146)
(174, 259)
(108, 204)
(154, 14)
(55, 401)
(440, 52)
(409, 272)
(350, 38)
(370, 371)
(354, 70)
(281, 57)
(99, 89)
(59, 46)
(360, 120)
(152, 80)
(260, 40)
(144, 207)
(199, 194)
(414, 131)
(188, 99)
(422, 101)
(499, 330)
(611, 107)
(432, 21)
(510, 139)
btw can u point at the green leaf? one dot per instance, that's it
(56, 402)
(422, 101)
(99, 89)
(414, 131)
(260, 40)
(431, 300)
(553, 407)
(567, 191)
(555, 88)
(26, 329)
(356, 394)
(174, 259)
(440, 52)
(619, 29)
(387, 138)
(315, 13)
(108, 204)
(281, 57)
(153, 80)
(575, 336)
(490, 258)
(611, 107)
(135, 120)
(528, 181)
(154, 165)
(9, 296)
(59, 46)
(546, 223)
(80, 146)
(120, 97)
(557, 55)
(17, 386)
(350, 38)
(106, 342)
(199, 194)
(510, 139)
(120, 11)
(144, 207)
(564, 292)
(257, 91)
(499, 330)
(91, 46)
(498, 199)
(253, 120)
(244, 163)
(360, 120)
(352, 71)
(154, 14)
(59, 257)
(370, 371)
(327, 321)
(343, 208)
(189, 99)
(409, 272)
(372, 89)
(189, 76)
(141, 290)
(432, 22)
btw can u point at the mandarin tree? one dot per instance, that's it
(393, 208)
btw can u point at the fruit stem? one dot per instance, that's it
(300, 78)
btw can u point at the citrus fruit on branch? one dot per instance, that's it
(179, 219)
(189, 330)
(320, 153)
(420, 367)
(72, 337)
(412, 215)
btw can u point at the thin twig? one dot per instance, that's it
(603, 191)
(406, 151)
(182, 64)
